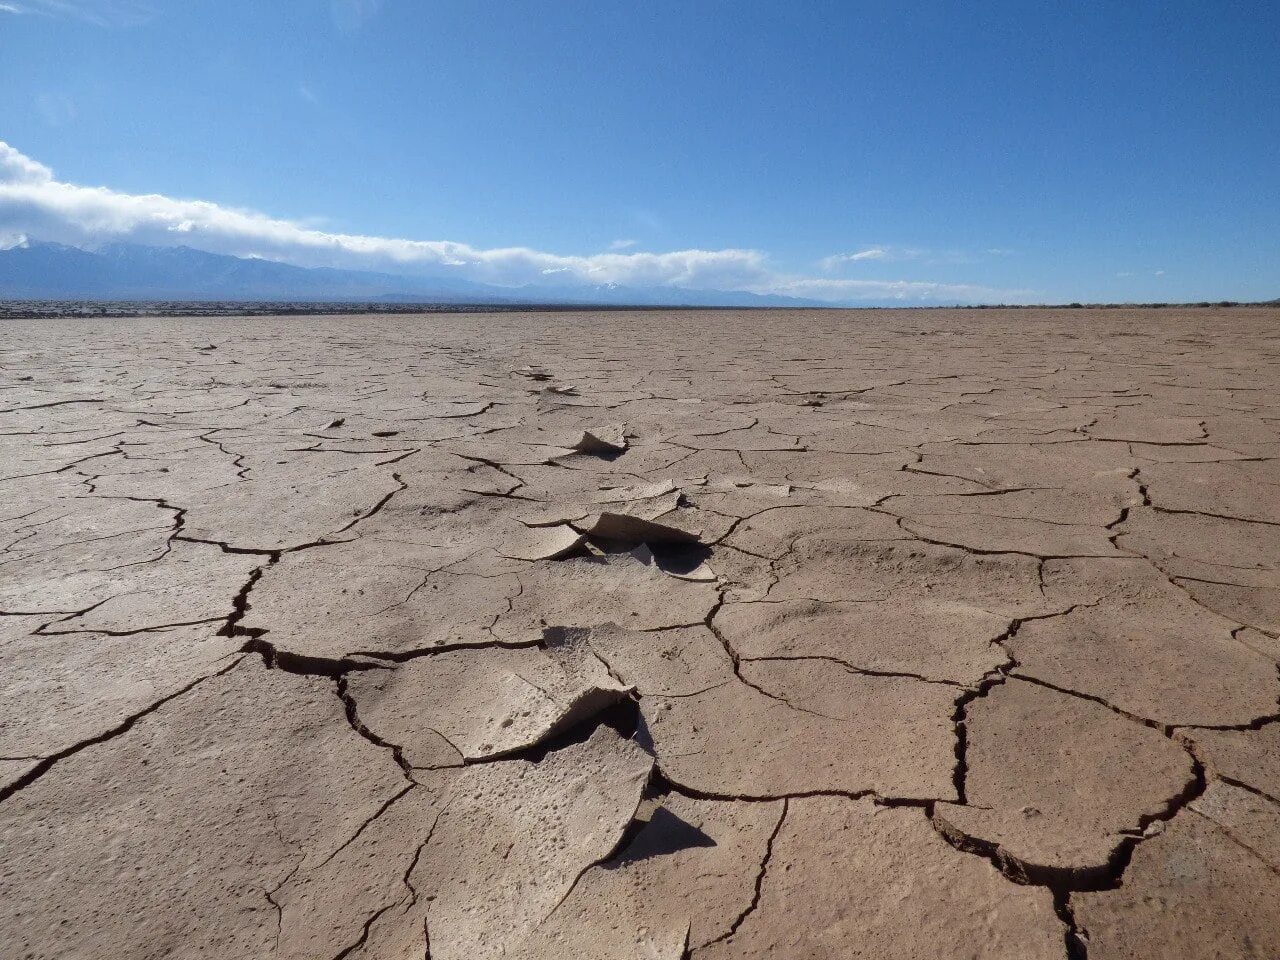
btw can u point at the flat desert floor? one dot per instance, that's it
(893, 634)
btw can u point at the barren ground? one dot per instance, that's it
(944, 634)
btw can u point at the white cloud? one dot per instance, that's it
(891, 254)
(16, 168)
(622, 244)
(836, 259)
(102, 13)
(34, 203)
(875, 253)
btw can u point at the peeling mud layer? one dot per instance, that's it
(933, 634)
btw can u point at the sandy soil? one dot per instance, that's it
(937, 634)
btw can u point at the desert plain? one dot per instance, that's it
(655, 635)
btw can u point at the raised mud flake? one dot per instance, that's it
(847, 877)
(606, 441)
(680, 882)
(624, 527)
(1208, 886)
(586, 591)
(803, 727)
(514, 839)
(569, 496)
(541, 543)
(1140, 644)
(170, 833)
(677, 517)
(1057, 783)
(483, 703)
(936, 640)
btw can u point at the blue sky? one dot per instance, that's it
(849, 151)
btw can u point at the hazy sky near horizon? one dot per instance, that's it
(1033, 151)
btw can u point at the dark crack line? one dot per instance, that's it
(741, 918)
(41, 768)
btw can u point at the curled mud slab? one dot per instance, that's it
(911, 634)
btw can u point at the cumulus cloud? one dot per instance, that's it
(35, 203)
(16, 168)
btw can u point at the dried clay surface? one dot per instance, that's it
(655, 635)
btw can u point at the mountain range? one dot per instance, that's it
(35, 270)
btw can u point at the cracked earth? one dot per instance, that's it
(936, 634)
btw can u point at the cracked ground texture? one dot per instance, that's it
(897, 634)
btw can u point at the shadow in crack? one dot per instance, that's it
(640, 733)
(664, 834)
(623, 716)
(680, 559)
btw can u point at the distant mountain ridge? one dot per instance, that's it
(37, 270)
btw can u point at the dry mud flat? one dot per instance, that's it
(791, 635)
